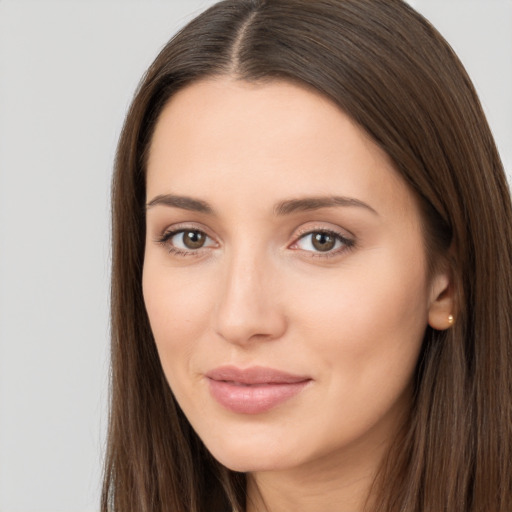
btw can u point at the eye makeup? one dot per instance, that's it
(317, 242)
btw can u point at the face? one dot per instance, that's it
(284, 275)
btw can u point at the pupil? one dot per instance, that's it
(193, 239)
(323, 241)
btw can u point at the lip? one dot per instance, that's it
(253, 390)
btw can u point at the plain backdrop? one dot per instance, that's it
(68, 70)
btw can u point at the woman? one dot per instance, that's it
(311, 271)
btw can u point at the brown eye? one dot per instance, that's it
(327, 242)
(193, 239)
(323, 241)
(184, 241)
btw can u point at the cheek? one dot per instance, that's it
(364, 329)
(178, 307)
(367, 321)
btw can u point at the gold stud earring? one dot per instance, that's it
(450, 319)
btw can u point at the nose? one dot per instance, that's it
(249, 307)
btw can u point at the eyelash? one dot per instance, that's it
(164, 240)
(348, 244)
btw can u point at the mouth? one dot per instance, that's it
(253, 390)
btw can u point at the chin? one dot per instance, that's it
(249, 463)
(250, 455)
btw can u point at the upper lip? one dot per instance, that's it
(254, 375)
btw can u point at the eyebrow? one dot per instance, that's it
(183, 202)
(316, 203)
(280, 209)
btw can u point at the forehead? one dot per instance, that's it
(232, 140)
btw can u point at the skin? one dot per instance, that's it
(259, 292)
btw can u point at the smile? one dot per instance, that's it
(253, 390)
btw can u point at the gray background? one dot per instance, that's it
(68, 70)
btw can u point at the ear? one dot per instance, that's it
(441, 312)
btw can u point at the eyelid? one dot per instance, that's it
(184, 226)
(348, 240)
(327, 228)
(169, 232)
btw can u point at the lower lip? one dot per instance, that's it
(255, 398)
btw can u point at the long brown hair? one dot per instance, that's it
(392, 72)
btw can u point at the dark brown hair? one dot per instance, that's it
(392, 72)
